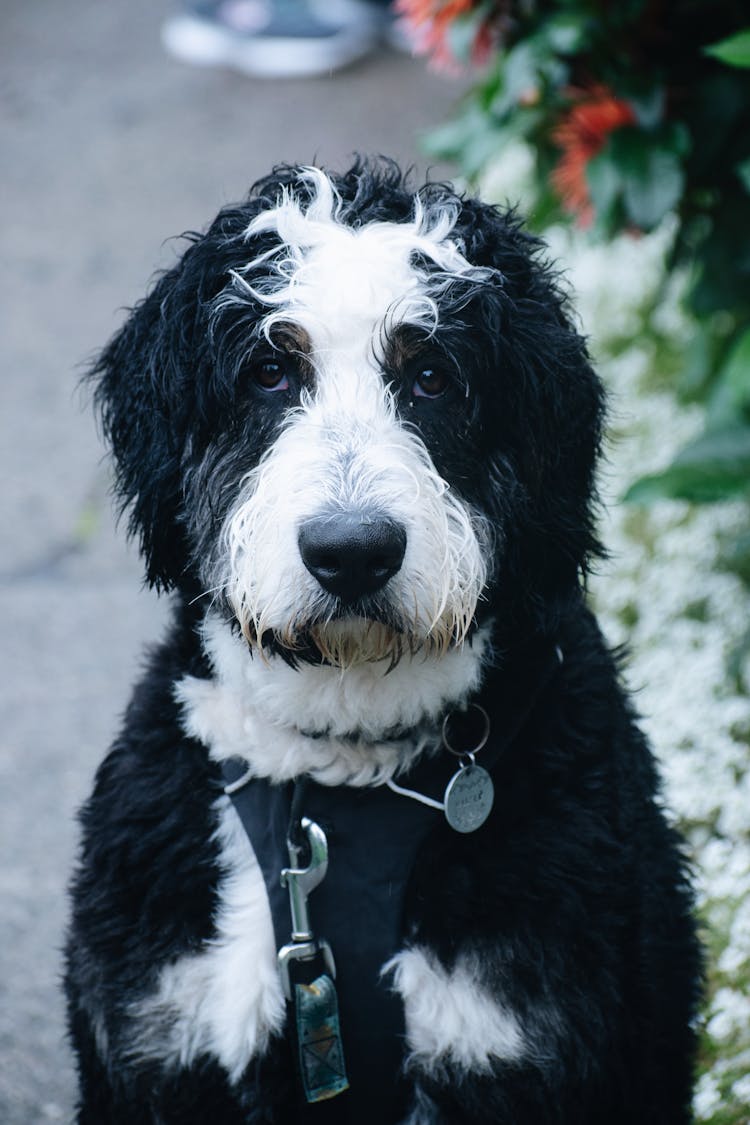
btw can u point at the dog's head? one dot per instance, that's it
(358, 419)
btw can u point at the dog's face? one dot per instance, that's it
(342, 537)
(358, 419)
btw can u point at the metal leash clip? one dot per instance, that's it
(301, 882)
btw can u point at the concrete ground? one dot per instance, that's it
(106, 149)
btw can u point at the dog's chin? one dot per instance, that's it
(343, 642)
(349, 641)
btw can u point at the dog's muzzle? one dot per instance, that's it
(352, 554)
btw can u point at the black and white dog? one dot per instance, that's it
(357, 433)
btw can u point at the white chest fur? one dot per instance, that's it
(226, 1000)
(265, 712)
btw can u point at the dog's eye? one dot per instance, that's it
(430, 382)
(270, 375)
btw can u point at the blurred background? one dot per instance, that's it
(621, 131)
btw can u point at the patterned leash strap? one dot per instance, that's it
(307, 968)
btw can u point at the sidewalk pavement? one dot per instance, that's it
(108, 148)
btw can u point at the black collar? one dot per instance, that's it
(510, 693)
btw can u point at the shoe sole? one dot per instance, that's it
(198, 42)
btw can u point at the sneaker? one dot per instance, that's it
(271, 38)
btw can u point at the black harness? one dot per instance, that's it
(374, 836)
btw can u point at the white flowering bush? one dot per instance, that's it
(683, 616)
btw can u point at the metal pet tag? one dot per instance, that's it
(470, 794)
(468, 799)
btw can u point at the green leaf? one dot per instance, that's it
(527, 69)
(543, 210)
(699, 363)
(519, 73)
(462, 32)
(716, 466)
(734, 51)
(445, 142)
(449, 141)
(732, 394)
(743, 171)
(648, 106)
(605, 185)
(566, 33)
(651, 194)
(483, 148)
(473, 139)
(675, 137)
(651, 172)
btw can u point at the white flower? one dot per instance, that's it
(731, 1013)
(741, 1089)
(707, 1097)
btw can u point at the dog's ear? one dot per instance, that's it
(549, 402)
(152, 387)
(137, 392)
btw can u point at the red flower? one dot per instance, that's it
(581, 134)
(426, 23)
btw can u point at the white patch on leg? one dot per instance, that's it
(451, 1019)
(225, 1001)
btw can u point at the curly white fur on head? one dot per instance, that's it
(344, 448)
(322, 268)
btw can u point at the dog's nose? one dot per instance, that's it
(352, 554)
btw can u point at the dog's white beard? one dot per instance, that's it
(321, 463)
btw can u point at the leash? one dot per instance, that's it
(306, 966)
